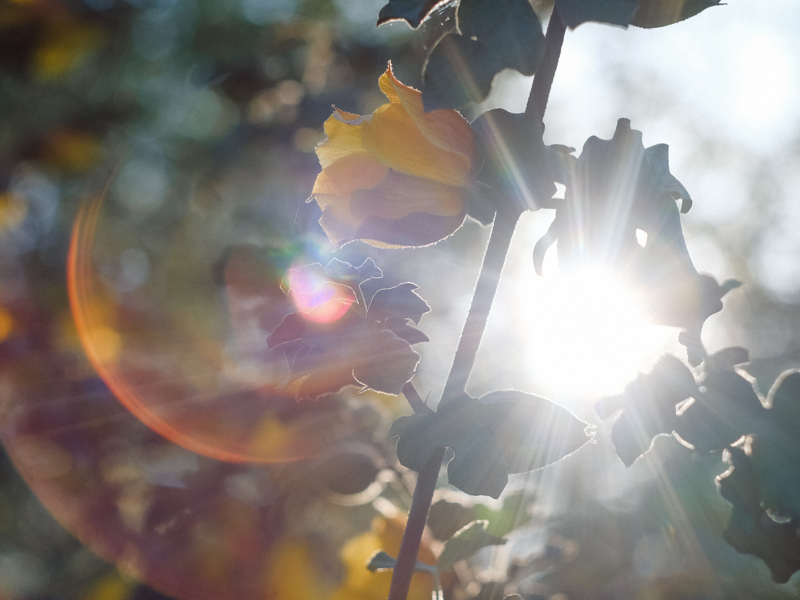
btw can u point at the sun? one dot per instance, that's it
(588, 336)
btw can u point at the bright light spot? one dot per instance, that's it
(6, 323)
(641, 237)
(589, 336)
(765, 85)
(316, 298)
(104, 342)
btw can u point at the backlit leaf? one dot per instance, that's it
(467, 542)
(504, 34)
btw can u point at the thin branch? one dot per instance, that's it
(415, 400)
(412, 537)
(504, 223)
(543, 80)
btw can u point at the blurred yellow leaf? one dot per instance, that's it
(293, 575)
(66, 43)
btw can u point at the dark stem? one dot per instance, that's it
(543, 80)
(412, 537)
(504, 223)
(416, 402)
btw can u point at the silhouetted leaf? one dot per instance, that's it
(767, 369)
(728, 408)
(517, 166)
(750, 529)
(383, 561)
(399, 302)
(345, 273)
(386, 364)
(503, 432)
(530, 431)
(648, 407)
(504, 34)
(658, 13)
(477, 467)
(445, 518)
(374, 351)
(467, 542)
(618, 189)
(412, 12)
(615, 12)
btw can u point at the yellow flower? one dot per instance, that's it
(362, 584)
(397, 177)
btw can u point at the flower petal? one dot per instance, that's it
(399, 195)
(446, 129)
(393, 137)
(356, 171)
(344, 137)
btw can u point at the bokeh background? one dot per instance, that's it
(195, 122)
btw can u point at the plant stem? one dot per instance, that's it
(415, 400)
(412, 536)
(504, 223)
(543, 80)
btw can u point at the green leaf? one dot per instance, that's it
(516, 164)
(768, 369)
(387, 362)
(445, 518)
(477, 467)
(401, 301)
(412, 12)
(648, 407)
(504, 34)
(531, 432)
(658, 13)
(503, 432)
(467, 542)
(383, 561)
(614, 12)
(513, 514)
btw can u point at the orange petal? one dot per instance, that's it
(344, 137)
(357, 171)
(445, 129)
(392, 136)
(400, 195)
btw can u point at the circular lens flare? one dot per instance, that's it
(171, 353)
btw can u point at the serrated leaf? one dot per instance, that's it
(398, 302)
(467, 542)
(648, 407)
(383, 561)
(387, 363)
(504, 34)
(614, 12)
(768, 369)
(344, 273)
(401, 328)
(412, 12)
(516, 163)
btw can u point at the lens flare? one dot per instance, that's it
(316, 298)
(170, 350)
